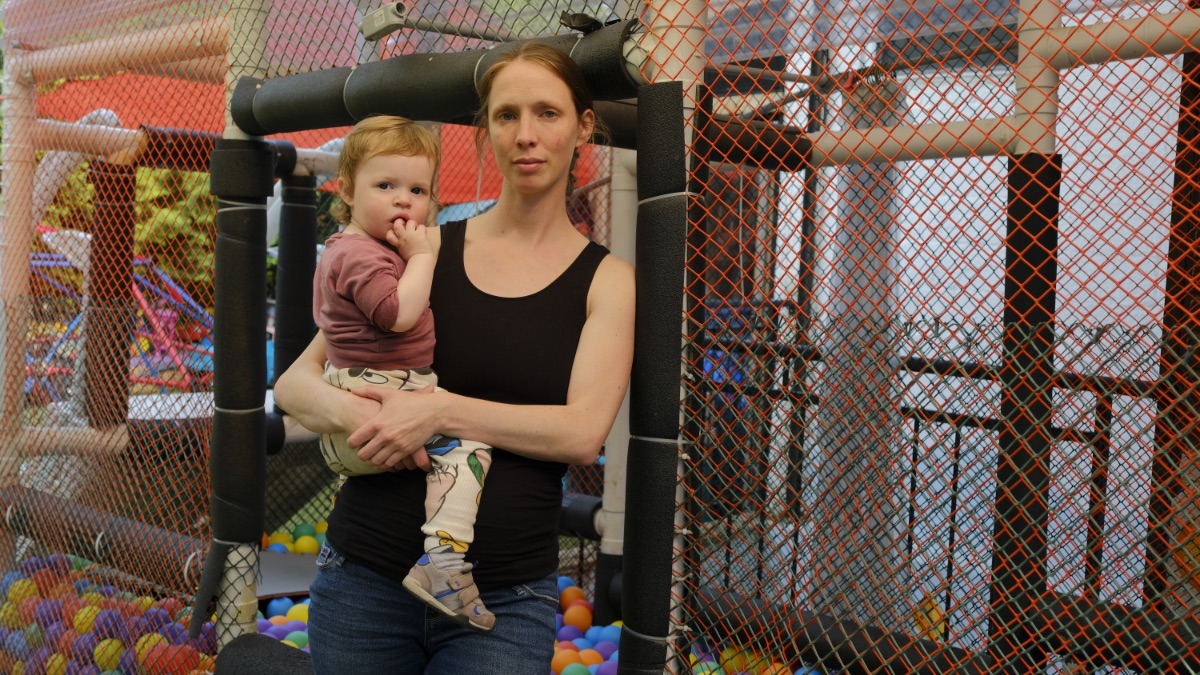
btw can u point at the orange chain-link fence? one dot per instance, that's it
(939, 373)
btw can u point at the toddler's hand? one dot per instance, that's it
(409, 238)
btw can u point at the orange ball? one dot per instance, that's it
(590, 657)
(562, 659)
(775, 668)
(579, 617)
(568, 595)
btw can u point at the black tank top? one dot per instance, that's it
(511, 350)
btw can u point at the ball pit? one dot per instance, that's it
(58, 620)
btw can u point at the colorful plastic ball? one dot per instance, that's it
(612, 633)
(569, 633)
(77, 668)
(85, 618)
(579, 617)
(59, 562)
(607, 668)
(303, 530)
(708, 668)
(566, 644)
(297, 637)
(48, 613)
(110, 623)
(307, 545)
(153, 619)
(590, 657)
(174, 632)
(279, 547)
(582, 643)
(562, 659)
(576, 669)
(30, 565)
(145, 643)
(565, 582)
(321, 526)
(776, 668)
(108, 653)
(56, 664)
(557, 622)
(279, 606)
(298, 612)
(594, 634)
(605, 648)
(21, 589)
(568, 595)
(281, 538)
(84, 647)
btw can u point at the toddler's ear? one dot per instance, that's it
(344, 192)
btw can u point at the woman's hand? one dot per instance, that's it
(394, 437)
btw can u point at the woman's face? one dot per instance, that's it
(533, 127)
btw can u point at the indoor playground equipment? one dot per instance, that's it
(916, 378)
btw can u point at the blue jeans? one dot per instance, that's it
(364, 623)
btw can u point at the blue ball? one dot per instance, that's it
(7, 580)
(583, 643)
(595, 666)
(612, 634)
(594, 634)
(279, 606)
(558, 622)
(565, 582)
(277, 548)
(30, 565)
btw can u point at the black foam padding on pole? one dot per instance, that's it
(659, 274)
(242, 170)
(254, 654)
(295, 266)
(183, 149)
(276, 432)
(241, 106)
(285, 158)
(646, 579)
(435, 87)
(756, 143)
(110, 318)
(432, 87)
(578, 516)
(238, 471)
(210, 582)
(239, 316)
(606, 607)
(661, 163)
(620, 119)
(163, 557)
(317, 98)
(241, 181)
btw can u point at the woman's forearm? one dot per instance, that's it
(302, 393)
(568, 434)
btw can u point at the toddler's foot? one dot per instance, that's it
(453, 593)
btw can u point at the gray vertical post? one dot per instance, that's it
(654, 388)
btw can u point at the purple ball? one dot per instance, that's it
(48, 613)
(605, 648)
(128, 662)
(569, 633)
(278, 632)
(607, 668)
(31, 565)
(84, 647)
(174, 632)
(110, 623)
(263, 625)
(59, 562)
(295, 625)
(155, 618)
(80, 668)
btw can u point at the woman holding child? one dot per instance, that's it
(534, 343)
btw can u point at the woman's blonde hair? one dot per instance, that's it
(383, 135)
(556, 61)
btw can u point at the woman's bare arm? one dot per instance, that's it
(572, 433)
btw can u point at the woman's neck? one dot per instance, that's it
(529, 217)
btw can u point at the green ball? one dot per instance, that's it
(708, 668)
(303, 530)
(576, 669)
(298, 638)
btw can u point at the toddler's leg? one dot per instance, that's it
(442, 577)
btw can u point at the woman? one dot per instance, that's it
(535, 340)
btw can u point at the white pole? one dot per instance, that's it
(1036, 103)
(611, 519)
(107, 56)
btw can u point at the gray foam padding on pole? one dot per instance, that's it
(254, 654)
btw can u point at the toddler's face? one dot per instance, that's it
(388, 188)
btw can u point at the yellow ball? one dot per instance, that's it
(10, 616)
(108, 654)
(307, 544)
(147, 641)
(85, 619)
(56, 665)
(20, 590)
(321, 526)
(144, 602)
(298, 612)
(281, 537)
